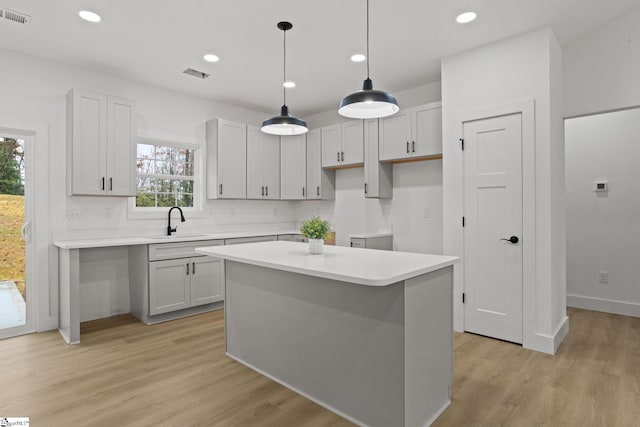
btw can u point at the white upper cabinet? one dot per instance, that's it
(352, 151)
(412, 133)
(426, 129)
(101, 144)
(263, 164)
(320, 182)
(226, 160)
(331, 138)
(378, 177)
(293, 167)
(342, 144)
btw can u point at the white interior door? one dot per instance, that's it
(493, 227)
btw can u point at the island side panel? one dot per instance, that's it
(339, 343)
(69, 295)
(428, 346)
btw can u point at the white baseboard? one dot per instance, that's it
(604, 305)
(547, 343)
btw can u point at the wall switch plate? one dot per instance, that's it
(603, 277)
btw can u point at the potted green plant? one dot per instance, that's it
(315, 229)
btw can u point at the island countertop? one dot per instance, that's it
(367, 267)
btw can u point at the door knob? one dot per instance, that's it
(512, 239)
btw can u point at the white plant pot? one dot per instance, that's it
(316, 246)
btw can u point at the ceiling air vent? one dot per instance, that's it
(196, 73)
(10, 15)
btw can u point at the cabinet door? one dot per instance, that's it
(331, 145)
(255, 163)
(314, 164)
(207, 280)
(232, 160)
(378, 177)
(352, 143)
(169, 285)
(427, 130)
(87, 142)
(271, 164)
(121, 147)
(293, 162)
(395, 136)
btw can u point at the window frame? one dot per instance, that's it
(134, 211)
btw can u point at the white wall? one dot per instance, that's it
(601, 69)
(416, 187)
(34, 90)
(603, 229)
(522, 68)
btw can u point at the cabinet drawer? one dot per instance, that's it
(250, 240)
(162, 251)
(358, 243)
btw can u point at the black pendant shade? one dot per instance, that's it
(284, 124)
(368, 103)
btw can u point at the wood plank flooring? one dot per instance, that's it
(175, 374)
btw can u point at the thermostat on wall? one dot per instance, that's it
(601, 186)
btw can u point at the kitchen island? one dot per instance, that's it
(365, 333)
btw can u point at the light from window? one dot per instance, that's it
(165, 176)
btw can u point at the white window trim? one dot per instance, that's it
(134, 212)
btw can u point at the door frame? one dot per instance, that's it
(41, 290)
(527, 109)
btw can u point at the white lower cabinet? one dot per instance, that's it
(176, 284)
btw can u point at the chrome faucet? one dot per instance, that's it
(174, 229)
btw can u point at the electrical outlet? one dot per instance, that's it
(603, 277)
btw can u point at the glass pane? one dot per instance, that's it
(164, 186)
(185, 200)
(145, 184)
(183, 186)
(146, 200)
(146, 151)
(166, 200)
(145, 165)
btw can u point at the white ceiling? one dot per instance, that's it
(155, 40)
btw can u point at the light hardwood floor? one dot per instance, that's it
(175, 374)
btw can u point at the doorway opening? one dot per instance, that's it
(14, 230)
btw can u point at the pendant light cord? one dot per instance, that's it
(284, 68)
(367, 38)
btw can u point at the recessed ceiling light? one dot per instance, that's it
(87, 15)
(210, 57)
(289, 85)
(465, 18)
(358, 57)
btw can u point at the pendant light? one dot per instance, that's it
(284, 124)
(368, 103)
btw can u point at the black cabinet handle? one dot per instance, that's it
(263, 190)
(266, 190)
(338, 153)
(318, 190)
(407, 147)
(302, 191)
(193, 266)
(187, 269)
(220, 188)
(366, 190)
(512, 240)
(342, 155)
(111, 184)
(103, 183)
(413, 146)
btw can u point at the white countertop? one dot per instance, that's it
(146, 240)
(368, 267)
(369, 235)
